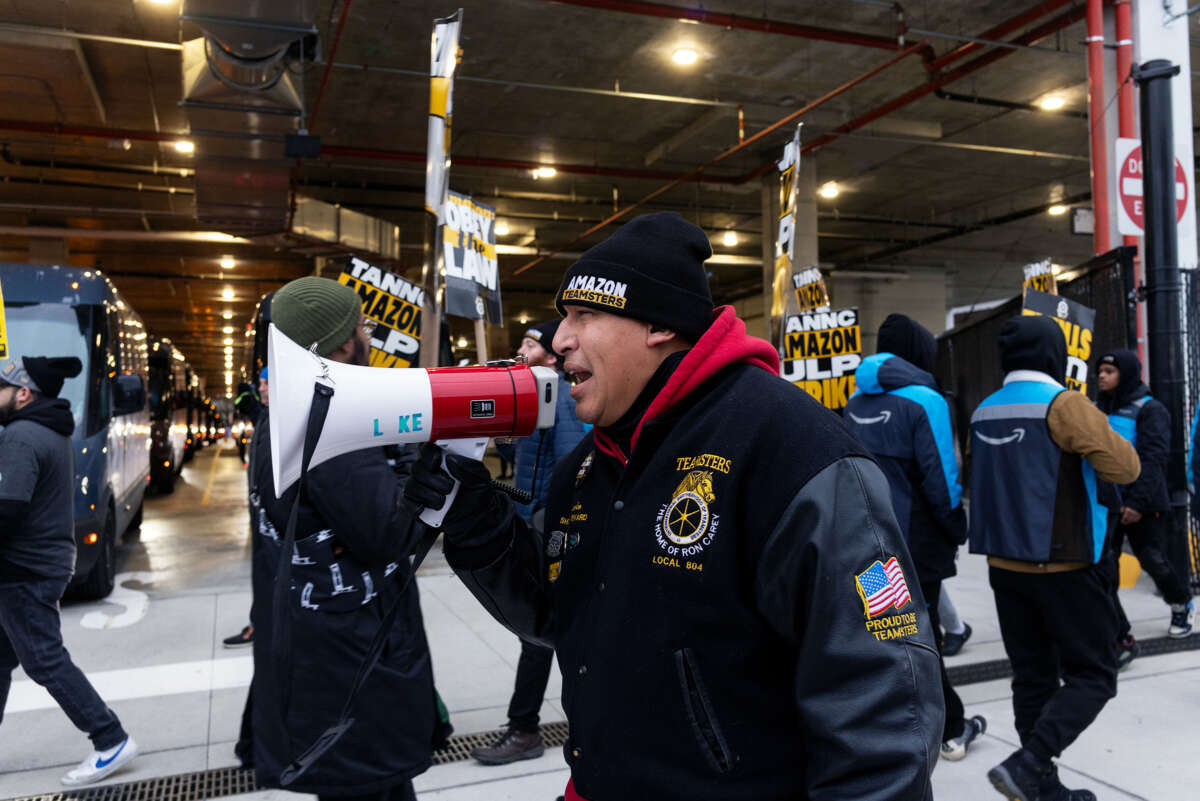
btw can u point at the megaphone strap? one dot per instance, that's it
(281, 634)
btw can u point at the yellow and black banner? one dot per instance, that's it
(821, 350)
(811, 292)
(785, 239)
(469, 255)
(1040, 276)
(3, 330)
(1077, 323)
(394, 305)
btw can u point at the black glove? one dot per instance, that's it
(479, 513)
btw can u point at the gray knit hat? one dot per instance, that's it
(316, 310)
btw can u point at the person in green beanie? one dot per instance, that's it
(349, 565)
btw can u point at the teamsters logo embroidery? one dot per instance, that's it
(590, 289)
(686, 525)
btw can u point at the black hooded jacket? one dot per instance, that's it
(37, 468)
(1152, 440)
(348, 565)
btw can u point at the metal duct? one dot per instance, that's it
(236, 78)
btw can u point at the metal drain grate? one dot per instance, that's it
(461, 745)
(1001, 669)
(221, 782)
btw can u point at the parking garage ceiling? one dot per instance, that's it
(942, 159)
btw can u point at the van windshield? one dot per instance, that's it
(52, 329)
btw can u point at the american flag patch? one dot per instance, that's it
(882, 587)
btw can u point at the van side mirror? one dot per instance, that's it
(129, 394)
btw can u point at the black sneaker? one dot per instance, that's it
(511, 746)
(1127, 651)
(1019, 778)
(955, 748)
(953, 643)
(1052, 789)
(241, 639)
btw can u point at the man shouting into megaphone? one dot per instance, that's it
(350, 562)
(734, 609)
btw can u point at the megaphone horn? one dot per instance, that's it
(371, 406)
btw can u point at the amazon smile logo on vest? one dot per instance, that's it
(1017, 435)
(883, 417)
(591, 289)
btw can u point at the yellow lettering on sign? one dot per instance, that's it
(3, 331)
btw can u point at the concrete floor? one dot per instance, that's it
(154, 652)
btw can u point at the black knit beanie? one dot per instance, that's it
(543, 334)
(651, 270)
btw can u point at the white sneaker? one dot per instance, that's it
(102, 763)
(1183, 617)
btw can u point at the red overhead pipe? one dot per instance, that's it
(1003, 29)
(795, 115)
(741, 23)
(1126, 128)
(1030, 37)
(56, 129)
(333, 46)
(1101, 240)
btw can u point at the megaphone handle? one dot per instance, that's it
(472, 448)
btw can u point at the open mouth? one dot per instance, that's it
(579, 377)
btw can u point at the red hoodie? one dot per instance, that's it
(725, 343)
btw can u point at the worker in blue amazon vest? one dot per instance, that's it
(903, 420)
(1037, 451)
(1142, 510)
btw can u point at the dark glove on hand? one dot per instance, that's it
(479, 512)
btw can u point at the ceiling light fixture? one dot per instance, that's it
(730, 239)
(685, 56)
(1052, 103)
(829, 189)
(228, 293)
(227, 315)
(227, 263)
(228, 350)
(228, 341)
(523, 319)
(501, 228)
(227, 329)
(1057, 209)
(545, 172)
(185, 146)
(462, 342)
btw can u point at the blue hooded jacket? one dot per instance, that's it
(900, 416)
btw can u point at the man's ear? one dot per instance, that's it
(657, 335)
(344, 352)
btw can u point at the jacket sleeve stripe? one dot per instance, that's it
(938, 415)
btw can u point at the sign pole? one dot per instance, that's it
(444, 54)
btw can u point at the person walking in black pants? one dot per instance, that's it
(534, 458)
(899, 414)
(1141, 510)
(1037, 452)
(37, 555)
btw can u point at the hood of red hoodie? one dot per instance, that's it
(725, 343)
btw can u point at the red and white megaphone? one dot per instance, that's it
(457, 407)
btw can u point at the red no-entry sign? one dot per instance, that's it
(1131, 208)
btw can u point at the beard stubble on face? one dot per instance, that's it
(8, 409)
(362, 353)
